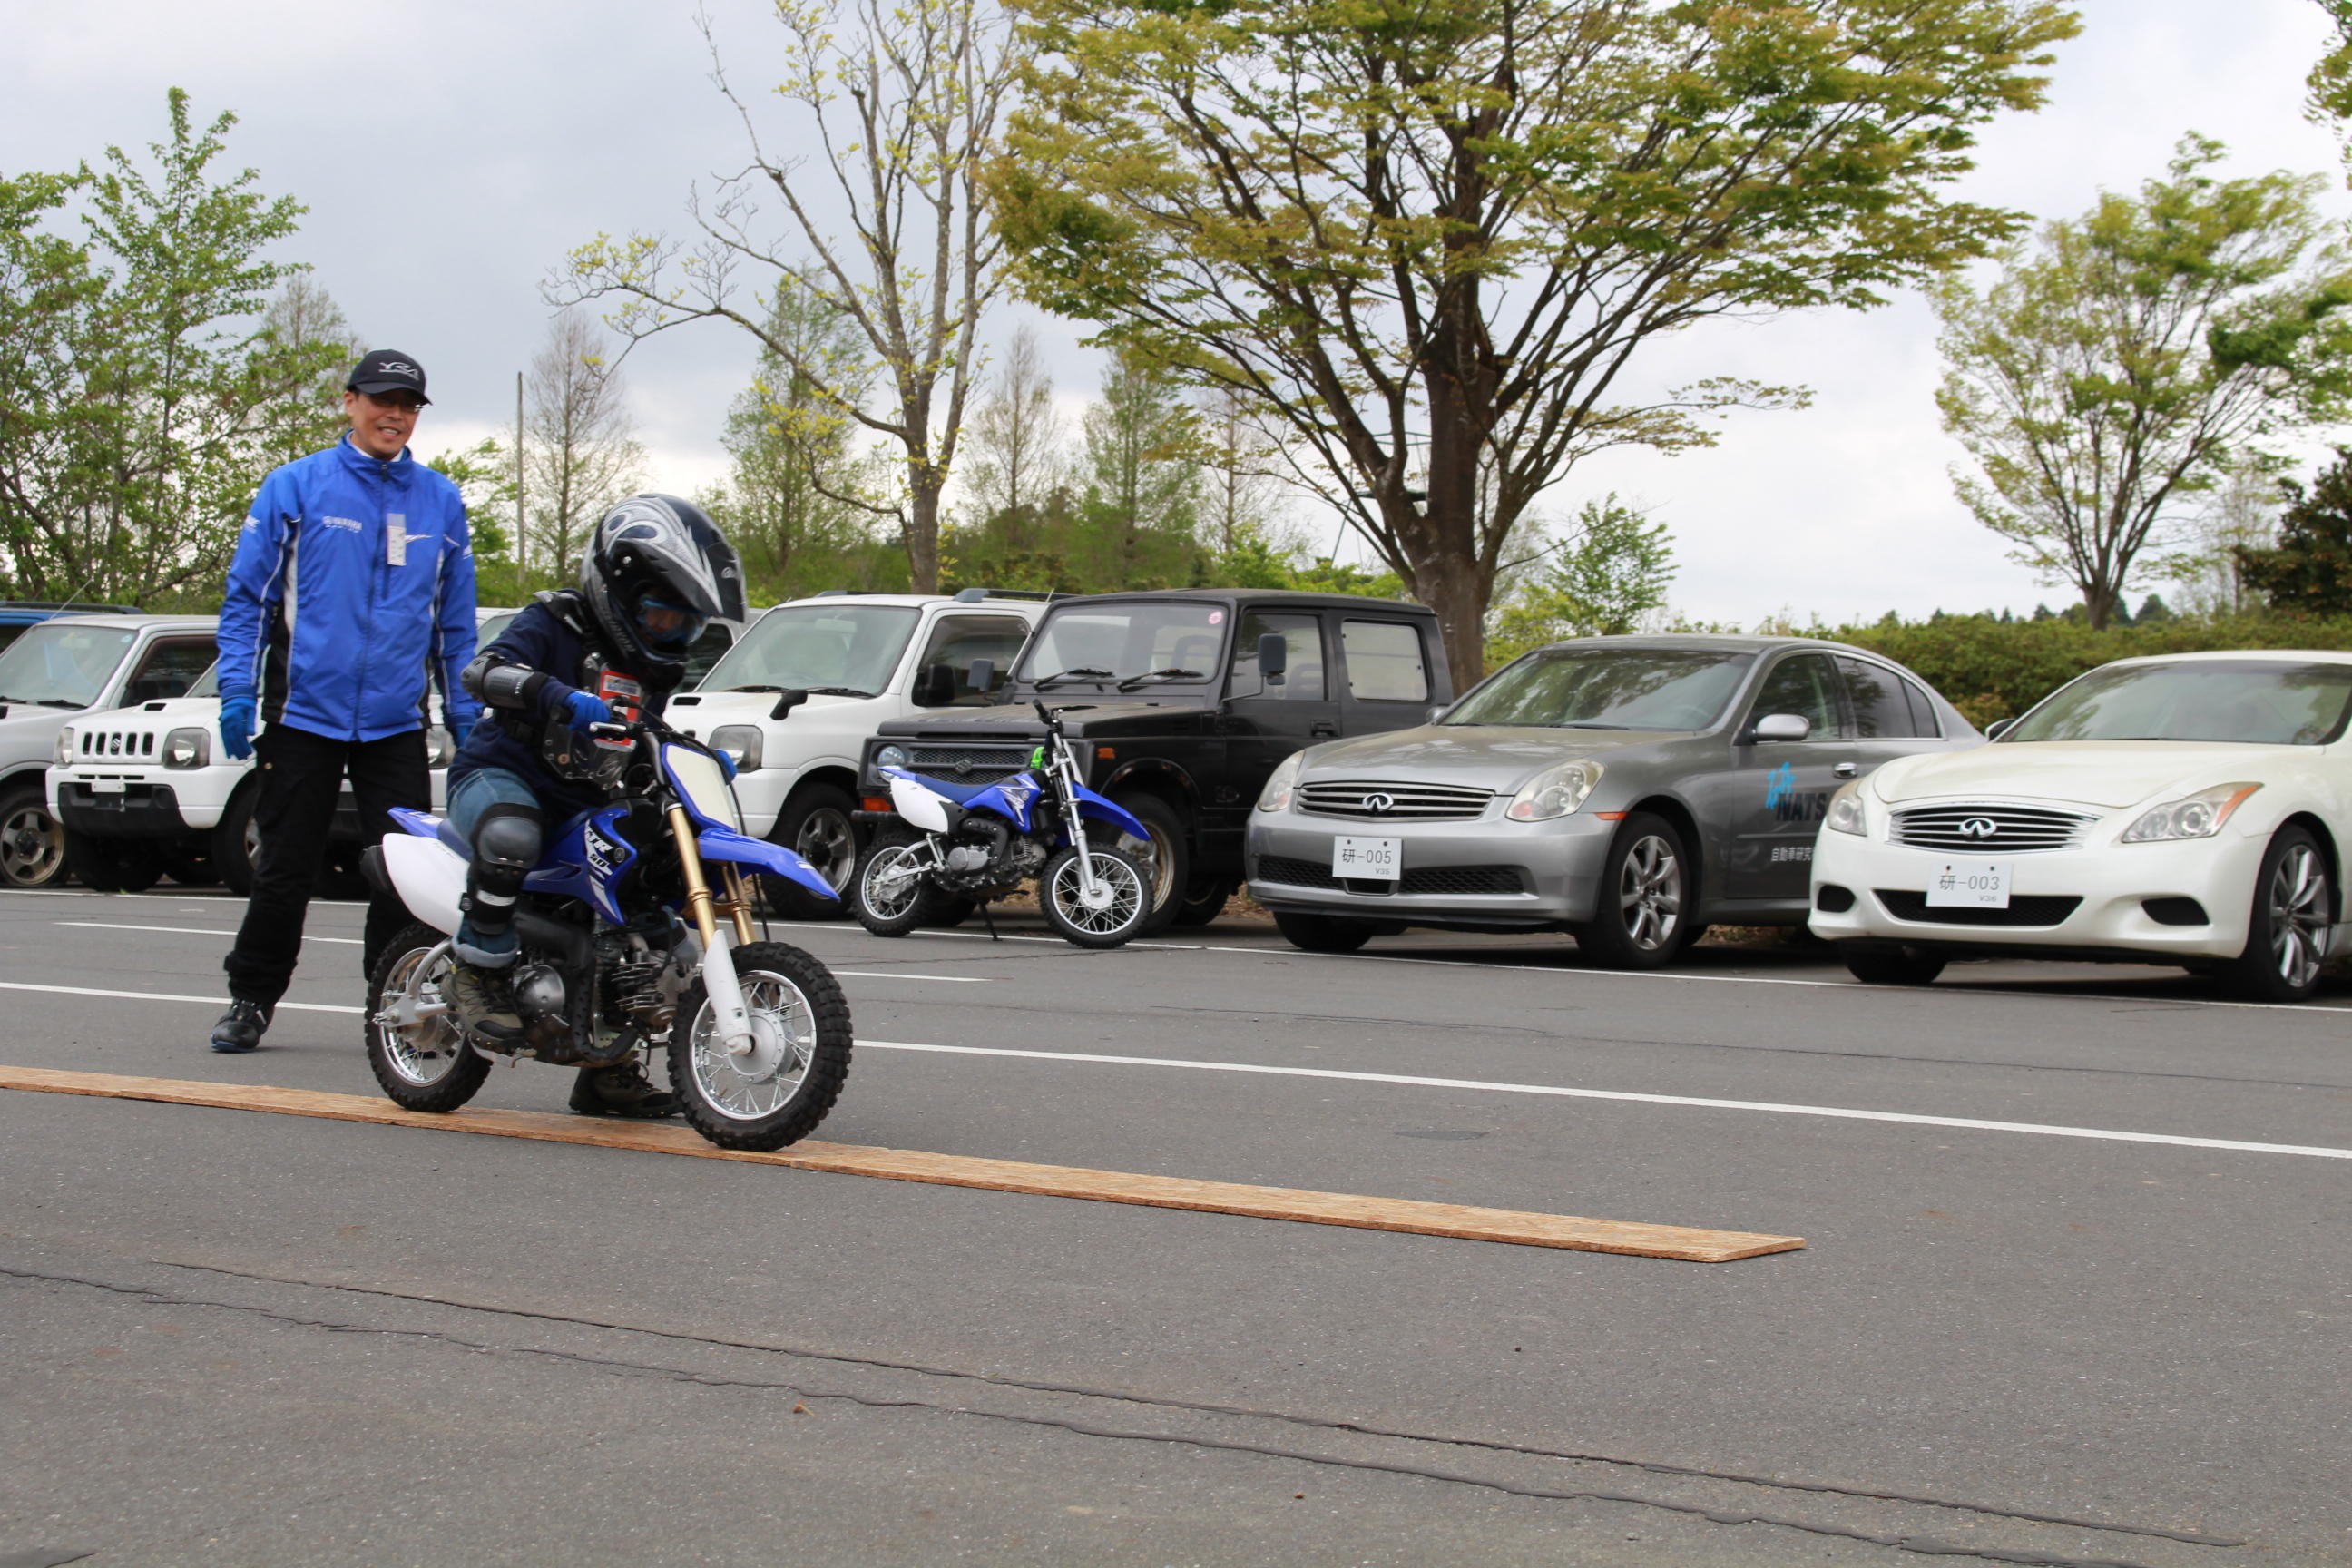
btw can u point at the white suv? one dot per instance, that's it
(66, 666)
(862, 659)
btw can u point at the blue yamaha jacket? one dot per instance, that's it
(350, 591)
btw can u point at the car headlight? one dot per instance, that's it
(1281, 782)
(65, 751)
(1555, 792)
(889, 757)
(187, 748)
(2200, 815)
(739, 742)
(1846, 813)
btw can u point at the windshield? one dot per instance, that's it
(2254, 702)
(1172, 643)
(844, 650)
(1608, 688)
(62, 667)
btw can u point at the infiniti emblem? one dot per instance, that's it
(1981, 827)
(1376, 803)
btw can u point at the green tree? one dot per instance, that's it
(2127, 362)
(1430, 240)
(2308, 573)
(151, 379)
(1142, 473)
(1604, 580)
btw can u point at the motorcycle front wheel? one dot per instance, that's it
(1123, 897)
(415, 1047)
(778, 1092)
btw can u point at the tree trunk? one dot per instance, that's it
(923, 530)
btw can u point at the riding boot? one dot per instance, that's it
(621, 1089)
(506, 847)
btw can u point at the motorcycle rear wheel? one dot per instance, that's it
(1061, 895)
(885, 902)
(780, 1092)
(425, 1066)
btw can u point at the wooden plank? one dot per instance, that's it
(1570, 1231)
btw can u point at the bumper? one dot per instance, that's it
(137, 811)
(1483, 872)
(2190, 900)
(196, 797)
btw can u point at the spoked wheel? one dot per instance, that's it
(2295, 908)
(1641, 920)
(892, 894)
(779, 1090)
(415, 1046)
(1116, 912)
(32, 844)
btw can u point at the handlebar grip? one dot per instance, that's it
(609, 731)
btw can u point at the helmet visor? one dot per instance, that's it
(667, 625)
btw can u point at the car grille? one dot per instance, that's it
(967, 764)
(1396, 802)
(2025, 909)
(1298, 873)
(117, 742)
(1990, 830)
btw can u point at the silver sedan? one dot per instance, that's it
(1629, 790)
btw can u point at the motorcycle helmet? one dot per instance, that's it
(655, 571)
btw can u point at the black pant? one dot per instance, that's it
(302, 775)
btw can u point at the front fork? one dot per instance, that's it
(719, 978)
(1075, 826)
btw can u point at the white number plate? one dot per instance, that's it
(1368, 859)
(106, 786)
(1971, 884)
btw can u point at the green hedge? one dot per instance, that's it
(1997, 669)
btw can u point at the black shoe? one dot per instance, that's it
(621, 1089)
(241, 1028)
(484, 1002)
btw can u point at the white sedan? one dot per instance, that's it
(2185, 809)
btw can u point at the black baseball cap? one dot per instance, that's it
(387, 370)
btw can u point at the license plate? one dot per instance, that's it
(1971, 885)
(106, 786)
(1367, 860)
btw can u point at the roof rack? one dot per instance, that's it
(974, 595)
(75, 604)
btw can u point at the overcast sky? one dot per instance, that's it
(450, 152)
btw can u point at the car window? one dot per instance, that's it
(707, 650)
(1302, 635)
(2265, 702)
(1885, 706)
(62, 666)
(1806, 684)
(834, 646)
(1126, 640)
(1384, 662)
(957, 640)
(170, 667)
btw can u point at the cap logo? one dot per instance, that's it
(397, 367)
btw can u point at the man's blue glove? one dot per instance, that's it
(458, 730)
(586, 708)
(236, 726)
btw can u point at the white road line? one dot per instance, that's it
(945, 979)
(194, 931)
(1968, 1123)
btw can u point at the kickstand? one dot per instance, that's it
(989, 920)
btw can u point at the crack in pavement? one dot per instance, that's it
(1920, 1544)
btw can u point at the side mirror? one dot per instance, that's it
(982, 677)
(786, 701)
(1782, 727)
(935, 688)
(1437, 711)
(1273, 658)
(2000, 727)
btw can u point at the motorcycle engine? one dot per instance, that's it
(540, 997)
(977, 855)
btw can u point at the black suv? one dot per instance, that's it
(1170, 715)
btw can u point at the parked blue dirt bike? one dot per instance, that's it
(758, 1031)
(977, 842)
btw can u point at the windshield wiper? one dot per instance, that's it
(1132, 681)
(46, 702)
(811, 690)
(1082, 672)
(1588, 724)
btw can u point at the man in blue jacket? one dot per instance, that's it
(352, 590)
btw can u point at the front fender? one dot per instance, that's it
(1105, 810)
(725, 844)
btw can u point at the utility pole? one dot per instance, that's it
(522, 549)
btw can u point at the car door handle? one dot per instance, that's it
(1323, 730)
(1846, 769)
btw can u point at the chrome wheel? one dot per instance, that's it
(827, 842)
(1116, 901)
(1650, 894)
(764, 1080)
(2298, 905)
(893, 880)
(32, 847)
(423, 1042)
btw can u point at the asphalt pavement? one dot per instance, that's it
(2075, 1289)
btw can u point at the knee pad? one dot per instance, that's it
(506, 847)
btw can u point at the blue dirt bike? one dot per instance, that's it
(972, 843)
(757, 1032)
